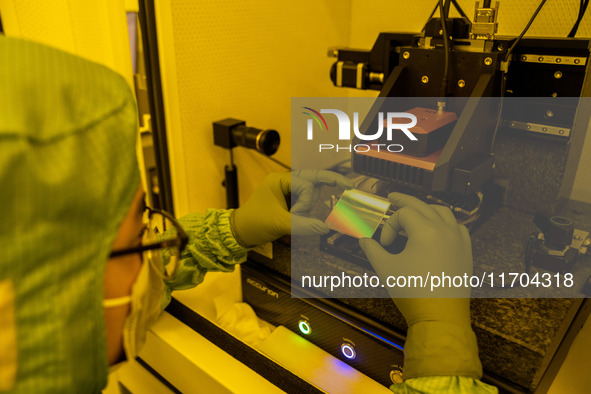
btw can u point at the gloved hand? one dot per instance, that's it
(440, 340)
(266, 216)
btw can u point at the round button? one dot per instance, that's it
(396, 376)
(304, 327)
(348, 351)
(561, 221)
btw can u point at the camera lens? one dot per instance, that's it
(265, 141)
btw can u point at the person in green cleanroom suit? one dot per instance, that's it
(72, 300)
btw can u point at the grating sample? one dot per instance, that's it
(357, 213)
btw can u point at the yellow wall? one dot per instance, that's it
(93, 29)
(241, 59)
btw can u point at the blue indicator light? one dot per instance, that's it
(383, 339)
(348, 351)
(304, 327)
(365, 330)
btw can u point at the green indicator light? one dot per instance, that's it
(304, 327)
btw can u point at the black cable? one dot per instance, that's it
(582, 9)
(456, 5)
(504, 76)
(486, 4)
(431, 15)
(276, 161)
(524, 30)
(443, 88)
(446, 7)
(501, 97)
(575, 26)
(460, 10)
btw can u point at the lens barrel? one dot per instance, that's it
(264, 141)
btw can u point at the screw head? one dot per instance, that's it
(541, 59)
(549, 113)
(558, 74)
(558, 60)
(461, 83)
(524, 57)
(554, 94)
(577, 61)
(488, 61)
(406, 55)
(425, 79)
(500, 47)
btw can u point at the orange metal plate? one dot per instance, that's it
(426, 163)
(428, 120)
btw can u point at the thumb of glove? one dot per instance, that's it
(386, 265)
(379, 258)
(301, 225)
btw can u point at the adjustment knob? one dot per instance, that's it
(558, 230)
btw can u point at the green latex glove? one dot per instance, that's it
(440, 340)
(266, 216)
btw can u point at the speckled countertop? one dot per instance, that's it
(517, 337)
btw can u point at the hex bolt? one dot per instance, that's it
(558, 74)
(488, 61)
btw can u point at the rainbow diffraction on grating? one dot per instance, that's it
(357, 214)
